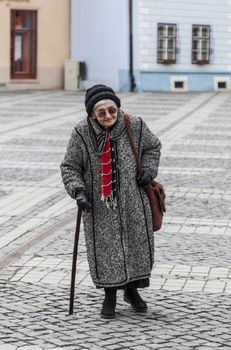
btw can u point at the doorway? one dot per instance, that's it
(23, 44)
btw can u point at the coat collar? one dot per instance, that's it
(98, 134)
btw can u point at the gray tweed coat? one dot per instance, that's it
(120, 242)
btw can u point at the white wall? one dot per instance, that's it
(185, 13)
(100, 38)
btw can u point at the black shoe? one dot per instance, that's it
(109, 304)
(132, 297)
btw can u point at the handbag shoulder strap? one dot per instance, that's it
(127, 121)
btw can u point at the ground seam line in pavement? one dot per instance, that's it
(47, 120)
(38, 122)
(175, 123)
(16, 253)
(203, 176)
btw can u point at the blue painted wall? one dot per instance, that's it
(100, 38)
(161, 81)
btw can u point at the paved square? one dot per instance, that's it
(189, 296)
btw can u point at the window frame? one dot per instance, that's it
(165, 38)
(200, 39)
(32, 37)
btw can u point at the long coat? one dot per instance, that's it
(119, 242)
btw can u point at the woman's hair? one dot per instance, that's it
(102, 102)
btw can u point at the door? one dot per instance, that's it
(23, 44)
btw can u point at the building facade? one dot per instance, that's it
(184, 45)
(35, 43)
(154, 45)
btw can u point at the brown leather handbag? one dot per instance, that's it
(155, 191)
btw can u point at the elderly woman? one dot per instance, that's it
(99, 171)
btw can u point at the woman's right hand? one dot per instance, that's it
(82, 201)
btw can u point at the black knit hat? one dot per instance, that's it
(97, 93)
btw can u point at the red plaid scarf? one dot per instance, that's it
(106, 175)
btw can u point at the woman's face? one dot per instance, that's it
(106, 114)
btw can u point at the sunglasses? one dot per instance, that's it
(103, 113)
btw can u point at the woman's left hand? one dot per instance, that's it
(144, 180)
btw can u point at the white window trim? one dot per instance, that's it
(222, 79)
(181, 78)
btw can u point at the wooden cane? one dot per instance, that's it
(74, 261)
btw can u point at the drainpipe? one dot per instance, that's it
(70, 30)
(131, 71)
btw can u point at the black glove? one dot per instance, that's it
(82, 200)
(145, 180)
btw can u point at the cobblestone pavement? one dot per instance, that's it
(189, 297)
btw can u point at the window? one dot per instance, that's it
(166, 43)
(23, 44)
(221, 83)
(200, 44)
(179, 83)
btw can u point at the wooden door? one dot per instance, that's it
(23, 44)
